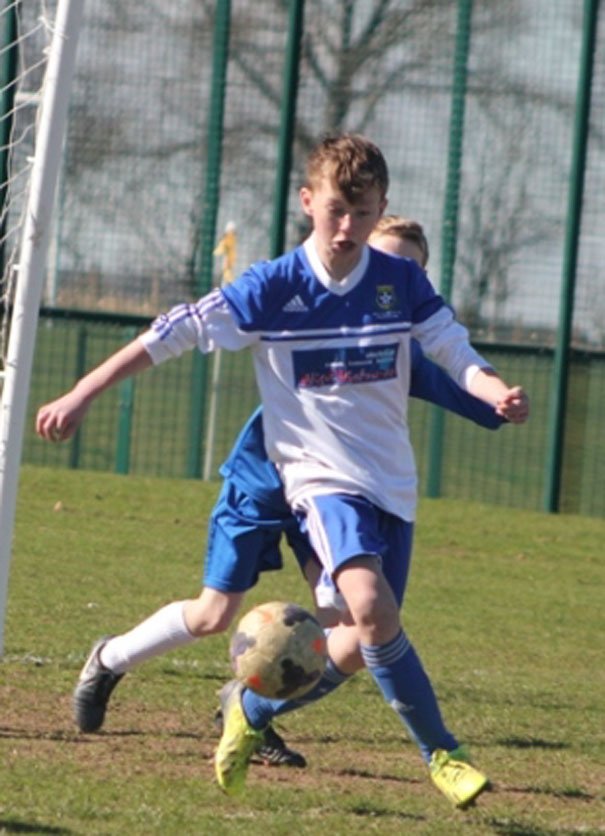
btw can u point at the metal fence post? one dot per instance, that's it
(199, 371)
(449, 232)
(287, 126)
(81, 366)
(556, 434)
(125, 416)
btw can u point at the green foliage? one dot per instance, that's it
(505, 608)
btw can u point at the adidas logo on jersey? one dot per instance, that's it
(295, 305)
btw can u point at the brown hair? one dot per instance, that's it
(351, 162)
(404, 228)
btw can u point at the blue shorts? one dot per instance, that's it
(344, 526)
(244, 538)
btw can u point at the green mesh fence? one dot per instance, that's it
(479, 127)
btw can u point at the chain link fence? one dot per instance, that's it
(188, 119)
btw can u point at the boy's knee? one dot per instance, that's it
(381, 619)
(209, 615)
(369, 598)
(377, 618)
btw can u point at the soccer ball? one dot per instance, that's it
(278, 650)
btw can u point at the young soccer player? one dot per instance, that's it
(330, 325)
(245, 530)
(246, 526)
(401, 236)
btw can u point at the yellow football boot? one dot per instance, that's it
(453, 773)
(237, 744)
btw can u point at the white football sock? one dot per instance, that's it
(164, 630)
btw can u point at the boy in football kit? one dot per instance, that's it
(329, 325)
(245, 529)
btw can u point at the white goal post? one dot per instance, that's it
(29, 271)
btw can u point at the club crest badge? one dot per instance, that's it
(385, 297)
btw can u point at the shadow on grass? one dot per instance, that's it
(377, 813)
(373, 775)
(158, 734)
(571, 793)
(16, 826)
(565, 793)
(513, 828)
(14, 733)
(531, 743)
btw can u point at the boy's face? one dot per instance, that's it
(340, 228)
(394, 245)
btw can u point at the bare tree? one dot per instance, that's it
(501, 214)
(355, 57)
(359, 58)
(133, 172)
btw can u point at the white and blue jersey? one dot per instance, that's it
(332, 362)
(249, 468)
(251, 513)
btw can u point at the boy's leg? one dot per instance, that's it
(238, 549)
(374, 603)
(389, 656)
(400, 676)
(391, 661)
(243, 541)
(173, 626)
(240, 737)
(403, 682)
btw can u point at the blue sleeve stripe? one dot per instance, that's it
(165, 323)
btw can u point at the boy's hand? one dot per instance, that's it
(514, 406)
(59, 420)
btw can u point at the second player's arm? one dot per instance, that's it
(446, 341)
(430, 383)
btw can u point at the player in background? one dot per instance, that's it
(329, 325)
(401, 236)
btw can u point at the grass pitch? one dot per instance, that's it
(504, 606)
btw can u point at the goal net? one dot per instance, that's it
(36, 67)
(25, 32)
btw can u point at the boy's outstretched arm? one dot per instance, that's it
(59, 419)
(511, 403)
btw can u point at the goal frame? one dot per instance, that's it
(35, 238)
